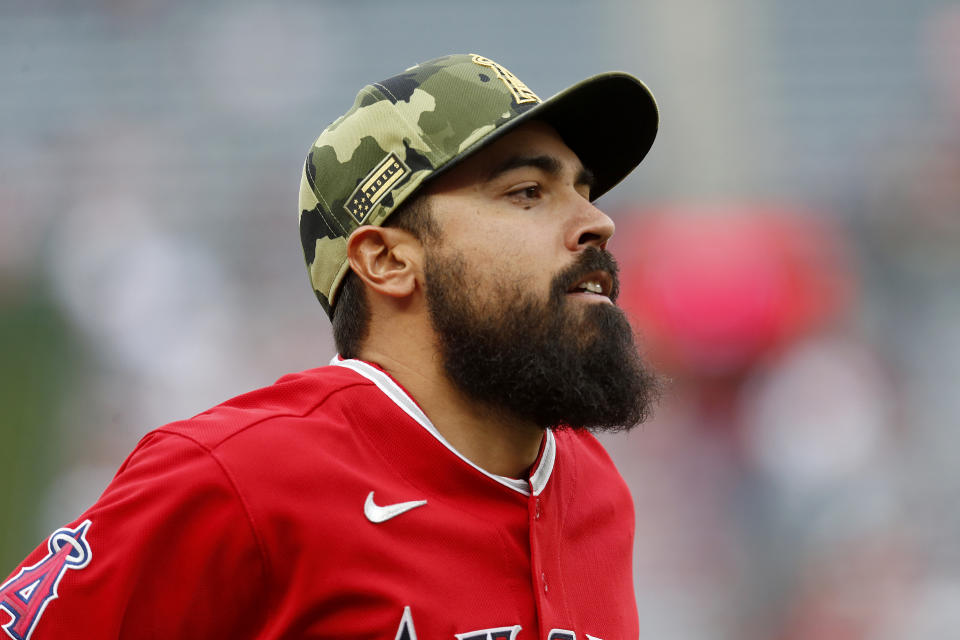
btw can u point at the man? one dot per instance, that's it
(438, 480)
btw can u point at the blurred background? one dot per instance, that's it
(790, 252)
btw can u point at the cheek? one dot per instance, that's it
(525, 253)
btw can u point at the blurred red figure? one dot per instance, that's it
(776, 411)
(714, 289)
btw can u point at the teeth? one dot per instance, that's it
(592, 286)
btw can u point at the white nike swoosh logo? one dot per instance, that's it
(377, 514)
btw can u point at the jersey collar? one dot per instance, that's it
(393, 391)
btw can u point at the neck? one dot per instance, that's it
(490, 438)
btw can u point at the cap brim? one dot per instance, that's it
(609, 120)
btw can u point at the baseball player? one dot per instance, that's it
(438, 479)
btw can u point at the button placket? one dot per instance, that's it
(536, 531)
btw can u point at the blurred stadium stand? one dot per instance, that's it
(149, 268)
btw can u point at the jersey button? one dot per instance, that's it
(543, 578)
(536, 512)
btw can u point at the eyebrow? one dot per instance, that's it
(547, 164)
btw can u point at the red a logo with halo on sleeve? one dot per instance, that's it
(26, 595)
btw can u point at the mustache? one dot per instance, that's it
(592, 259)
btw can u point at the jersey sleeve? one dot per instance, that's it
(168, 551)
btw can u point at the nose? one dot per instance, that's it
(590, 226)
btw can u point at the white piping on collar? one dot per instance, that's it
(538, 481)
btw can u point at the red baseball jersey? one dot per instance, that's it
(328, 506)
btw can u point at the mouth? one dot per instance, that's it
(594, 285)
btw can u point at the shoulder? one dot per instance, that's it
(321, 393)
(224, 468)
(308, 432)
(303, 425)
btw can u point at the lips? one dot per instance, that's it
(597, 282)
(592, 268)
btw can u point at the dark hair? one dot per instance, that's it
(351, 312)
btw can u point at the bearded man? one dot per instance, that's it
(439, 478)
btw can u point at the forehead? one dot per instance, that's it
(531, 139)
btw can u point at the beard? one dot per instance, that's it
(553, 363)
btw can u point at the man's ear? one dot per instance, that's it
(387, 259)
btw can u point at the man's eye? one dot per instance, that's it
(531, 192)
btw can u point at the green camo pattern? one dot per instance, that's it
(426, 117)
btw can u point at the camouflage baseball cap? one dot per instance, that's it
(409, 128)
